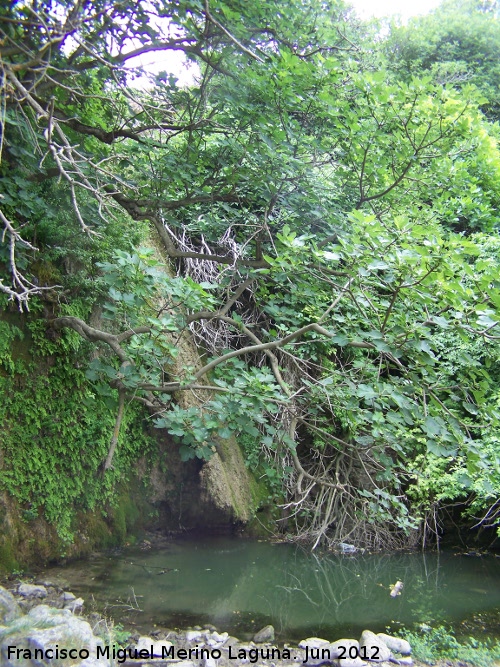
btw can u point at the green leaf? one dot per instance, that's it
(432, 427)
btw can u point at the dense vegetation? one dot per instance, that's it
(325, 195)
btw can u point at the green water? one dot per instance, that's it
(240, 585)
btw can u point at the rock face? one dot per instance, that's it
(226, 483)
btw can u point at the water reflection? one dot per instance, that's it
(240, 585)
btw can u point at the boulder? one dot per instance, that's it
(343, 649)
(9, 609)
(45, 628)
(264, 636)
(373, 647)
(321, 655)
(396, 644)
(32, 591)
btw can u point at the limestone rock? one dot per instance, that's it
(44, 628)
(32, 591)
(194, 635)
(373, 647)
(9, 609)
(226, 482)
(265, 635)
(396, 644)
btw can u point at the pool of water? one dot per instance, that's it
(240, 585)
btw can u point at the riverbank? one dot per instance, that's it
(42, 625)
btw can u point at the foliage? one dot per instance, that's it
(328, 221)
(52, 443)
(457, 44)
(431, 645)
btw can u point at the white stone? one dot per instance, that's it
(74, 605)
(193, 635)
(313, 642)
(44, 628)
(32, 591)
(373, 647)
(396, 644)
(67, 596)
(9, 608)
(265, 635)
(337, 650)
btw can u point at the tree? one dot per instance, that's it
(299, 203)
(457, 44)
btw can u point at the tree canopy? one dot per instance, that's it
(327, 211)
